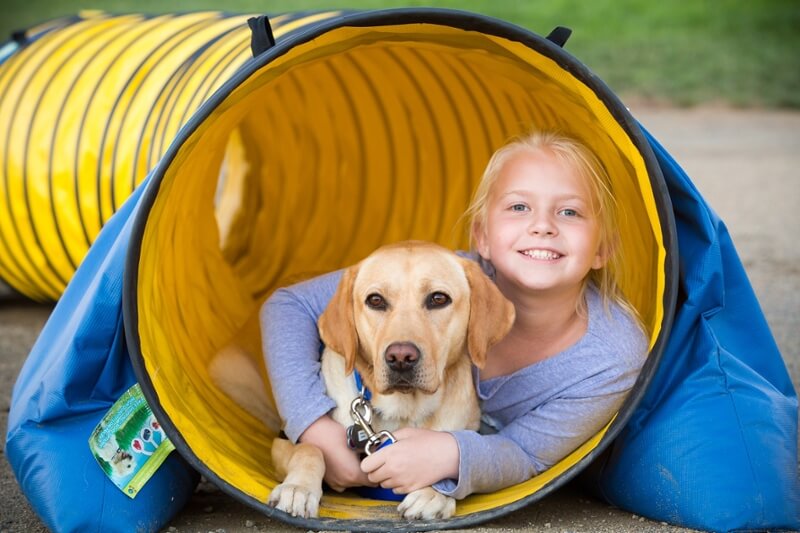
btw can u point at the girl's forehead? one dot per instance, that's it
(539, 172)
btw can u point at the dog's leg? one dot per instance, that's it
(426, 504)
(282, 451)
(235, 373)
(304, 468)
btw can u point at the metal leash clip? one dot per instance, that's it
(361, 411)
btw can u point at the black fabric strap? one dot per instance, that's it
(559, 35)
(261, 38)
(19, 36)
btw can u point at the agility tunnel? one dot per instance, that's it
(345, 131)
(89, 105)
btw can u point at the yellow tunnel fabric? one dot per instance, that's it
(354, 137)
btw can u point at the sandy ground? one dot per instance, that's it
(743, 162)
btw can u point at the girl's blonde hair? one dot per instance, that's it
(573, 153)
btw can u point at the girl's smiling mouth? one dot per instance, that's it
(541, 254)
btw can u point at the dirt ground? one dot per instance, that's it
(744, 162)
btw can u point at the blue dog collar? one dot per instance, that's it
(362, 390)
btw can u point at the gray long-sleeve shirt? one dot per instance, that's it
(540, 413)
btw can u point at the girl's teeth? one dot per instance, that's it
(541, 254)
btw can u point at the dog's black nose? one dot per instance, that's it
(401, 356)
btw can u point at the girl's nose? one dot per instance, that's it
(542, 225)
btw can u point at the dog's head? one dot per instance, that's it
(120, 460)
(410, 310)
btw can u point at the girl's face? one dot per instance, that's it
(541, 233)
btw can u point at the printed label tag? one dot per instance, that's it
(129, 443)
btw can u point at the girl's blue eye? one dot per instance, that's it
(519, 207)
(569, 212)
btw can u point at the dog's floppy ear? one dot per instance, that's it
(337, 326)
(491, 315)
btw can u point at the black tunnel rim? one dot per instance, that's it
(457, 19)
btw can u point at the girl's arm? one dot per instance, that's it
(292, 348)
(558, 406)
(539, 438)
(456, 463)
(464, 462)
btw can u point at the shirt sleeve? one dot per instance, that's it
(292, 348)
(537, 440)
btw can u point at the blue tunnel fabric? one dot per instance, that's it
(77, 369)
(713, 443)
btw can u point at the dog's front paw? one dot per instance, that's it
(296, 500)
(426, 504)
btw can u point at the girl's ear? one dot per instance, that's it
(605, 251)
(600, 258)
(480, 240)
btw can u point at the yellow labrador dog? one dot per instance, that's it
(410, 318)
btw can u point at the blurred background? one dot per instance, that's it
(742, 53)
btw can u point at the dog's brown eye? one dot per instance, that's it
(376, 301)
(437, 299)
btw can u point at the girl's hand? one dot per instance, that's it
(342, 469)
(418, 459)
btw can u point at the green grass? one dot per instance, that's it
(684, 52)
